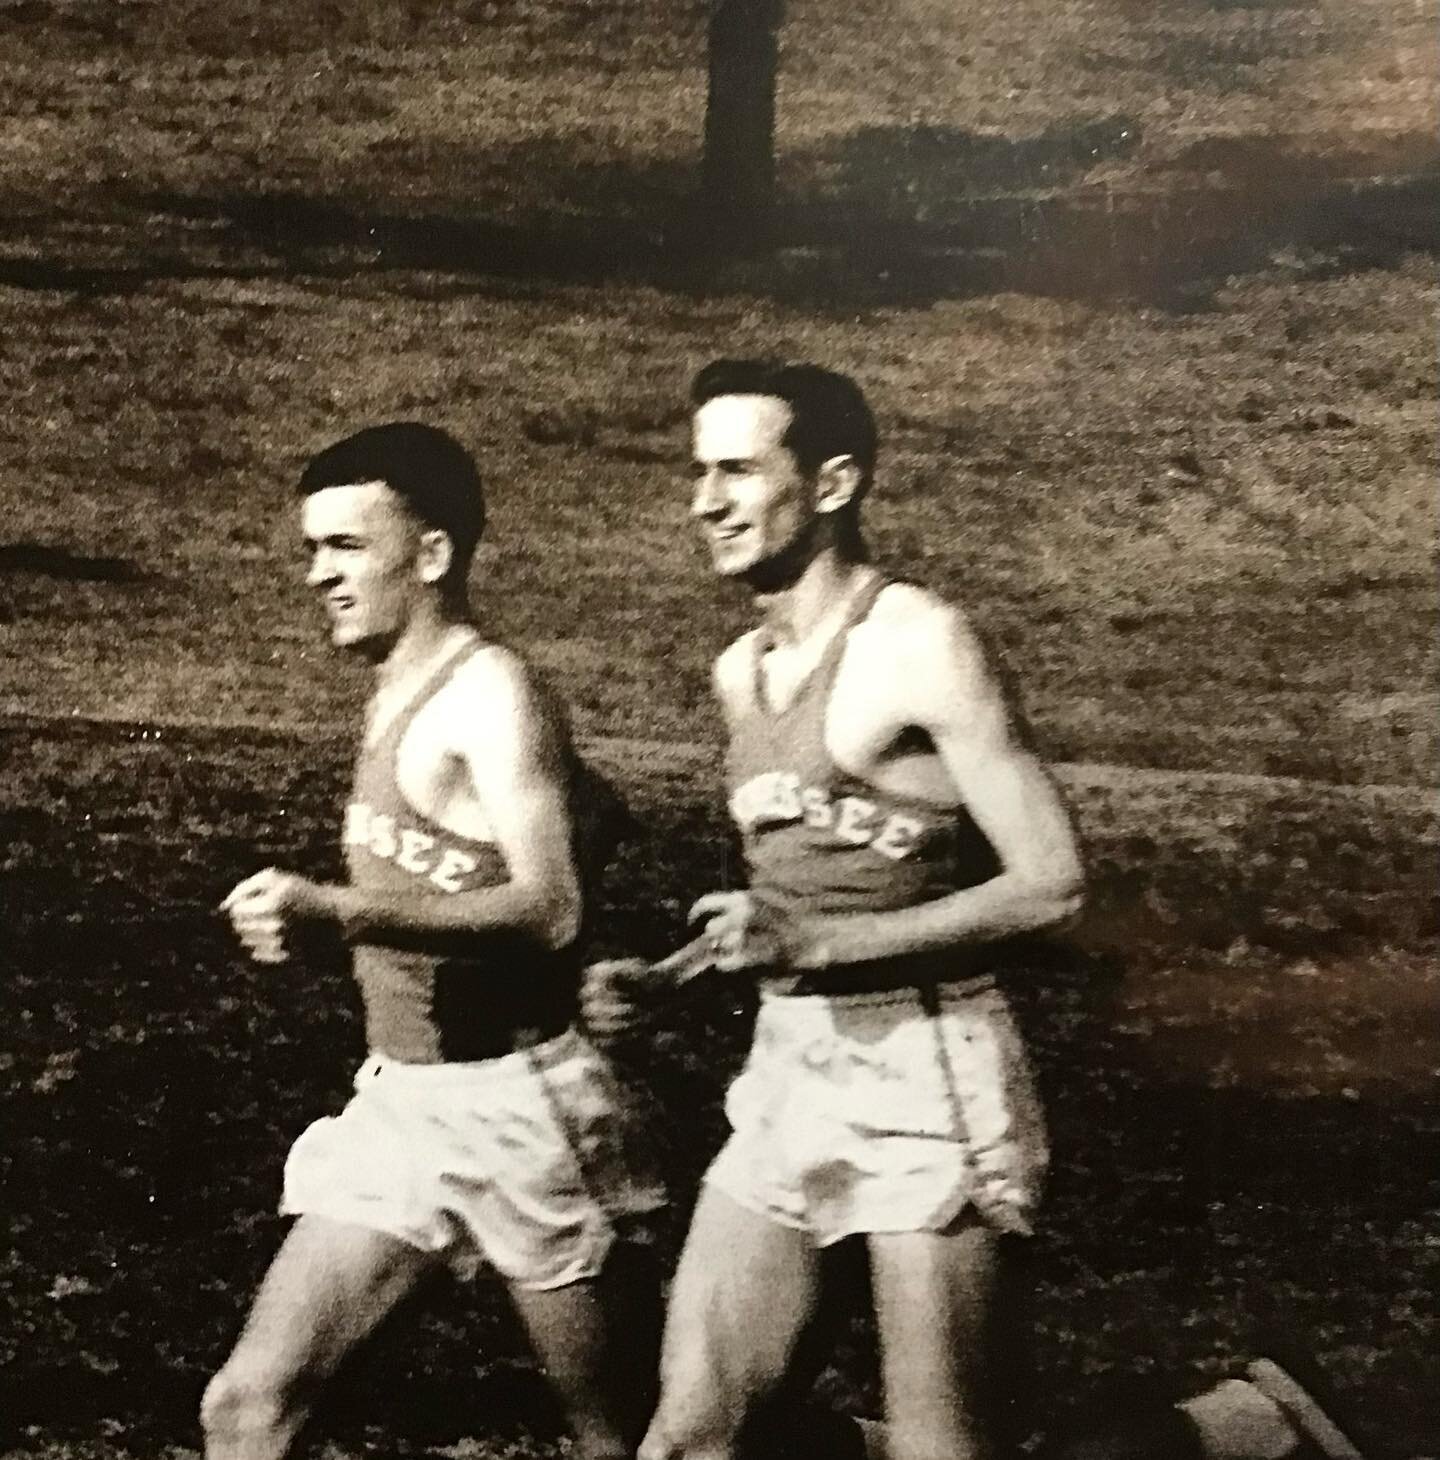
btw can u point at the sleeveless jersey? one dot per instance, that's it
(818, 840)
(422, 1007)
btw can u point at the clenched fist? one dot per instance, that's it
(617, 997)
(263, 908)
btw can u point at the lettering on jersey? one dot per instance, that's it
(898, 836)
(452, 866)
(777, 798)
(857, 821)
(819, 810)
(376, 833)
(413, 847)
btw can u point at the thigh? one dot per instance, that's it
(742, 1294)
(329, 1287)
(932, 1304)
(603, 1330)
(570, 1332)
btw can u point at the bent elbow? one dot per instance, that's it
(1069, 904)
(1068, 892)
(557, 921)
(1057, 901)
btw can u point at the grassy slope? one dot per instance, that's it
(1267, 610)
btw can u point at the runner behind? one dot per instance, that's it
(895, 829)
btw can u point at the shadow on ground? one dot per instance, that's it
(887, 215)
(61, 564)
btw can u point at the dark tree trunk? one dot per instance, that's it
(739, 174)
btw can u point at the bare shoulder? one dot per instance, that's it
(909, 623)
(495, 697)
(919, 655)
(492, 670)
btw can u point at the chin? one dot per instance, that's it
(350, 637)
(731, 564)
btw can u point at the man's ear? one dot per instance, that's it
(836, 483)
(436, 555)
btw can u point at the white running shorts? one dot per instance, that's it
(523, 1162)
(868, 1113)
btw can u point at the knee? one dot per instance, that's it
(242, 1402)
(660, 1444)
(656, 1447)
(692, 1421)
(932, 1444)
(670, 1442)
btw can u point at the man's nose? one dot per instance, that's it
(708, 499)
(322, 568)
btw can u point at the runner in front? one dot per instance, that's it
(484, 1130)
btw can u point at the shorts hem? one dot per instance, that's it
(966, 1207)
(756, 1205)
(465, 1266)
(968, 1213)
(575, 1273)
(355, 1219)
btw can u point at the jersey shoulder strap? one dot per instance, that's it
(821, 677)
(858, 612)
(429, 687)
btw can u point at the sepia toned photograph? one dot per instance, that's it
(718, 730)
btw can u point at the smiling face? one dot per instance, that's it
(365, 563)
(752, 501)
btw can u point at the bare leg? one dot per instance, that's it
(932, 1294)
(577, 1339)
(742, 1294)
(329, 1287)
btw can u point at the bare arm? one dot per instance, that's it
(512, 750)
(944, 686)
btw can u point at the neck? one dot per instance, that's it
(806, 603)
(421, 640)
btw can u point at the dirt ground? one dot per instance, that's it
(1144, 295)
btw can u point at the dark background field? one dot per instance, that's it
(1143, 293)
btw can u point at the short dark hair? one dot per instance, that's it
(829, 415)
(427, 467)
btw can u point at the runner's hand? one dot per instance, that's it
(742, 934)
(263, 908)
(619, 996)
